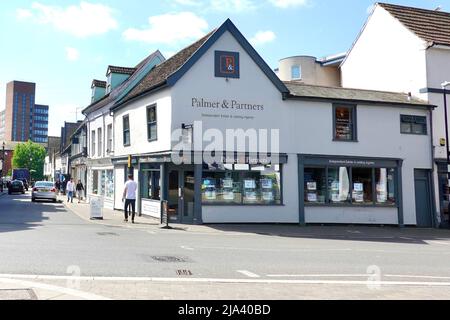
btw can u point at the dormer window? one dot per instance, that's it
(98, 90)
(296, 73)
(116, 76)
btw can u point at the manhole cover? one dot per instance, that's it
(17, 294)
(112, 234)
(169, 259)
(184, 272)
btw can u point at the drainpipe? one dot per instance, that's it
(433, 168)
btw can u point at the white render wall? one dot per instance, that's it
(387, 56)
(99, 119)
(305, 128)
(137, 112)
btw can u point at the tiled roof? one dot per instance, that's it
(160, 73)
(121, 70)
(99, 83)
(429, 25)
(335, 93)
(97, 105)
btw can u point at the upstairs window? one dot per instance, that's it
(126, 131)
(344, 118)
(93, 143)
(413, 125)
(296, 73)
(110, 138)
(100, 142)
(152, 127)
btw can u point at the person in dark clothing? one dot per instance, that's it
(80, 191)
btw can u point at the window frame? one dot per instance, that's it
(352, 203)
(93, 144)
(241, 174)
(152, 123)
(299, 72)
(414, 121)
(109, 137)
(100, 141)
(354, 110)
(126, 118)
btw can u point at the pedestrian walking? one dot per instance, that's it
(70, 188)
(129, 197)
(58, 186)
(80, 191)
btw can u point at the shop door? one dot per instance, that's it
(187, 197)
(174, 199)
(424, 212)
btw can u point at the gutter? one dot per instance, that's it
(358, 101)
(158, 87)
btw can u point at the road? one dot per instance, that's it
(44, 239)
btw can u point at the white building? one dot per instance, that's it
(407, 50)
(100, 128)
(344, 155)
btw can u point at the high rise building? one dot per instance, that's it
(23, 120)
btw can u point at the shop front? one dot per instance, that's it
(101, 182)
(336, 189)
(208, 193)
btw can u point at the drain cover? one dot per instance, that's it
(17, 294)
(169, 259)
(108, 234)
(184, 272)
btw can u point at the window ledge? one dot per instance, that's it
(350, 141)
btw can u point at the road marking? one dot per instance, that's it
(318, 275)
(232, 281)
(439, 242)
(187, 248)
(248, 274)
(48, 287)
(416, 277)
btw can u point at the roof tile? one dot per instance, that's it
(429, 25)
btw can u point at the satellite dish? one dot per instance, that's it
(439, 8)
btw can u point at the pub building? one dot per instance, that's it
(341, 155)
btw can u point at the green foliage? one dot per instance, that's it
(30, 156)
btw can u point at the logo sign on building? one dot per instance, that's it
(227, 64)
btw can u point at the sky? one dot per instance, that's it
(62, 45)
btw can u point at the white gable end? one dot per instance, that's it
(253, 88)
(386, 56)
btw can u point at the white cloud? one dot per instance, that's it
(234, 6)
(169, 29)
(72, 54)
(289, 3)
(23, 14)
(194, 3)
(83, 20)
(262, 37)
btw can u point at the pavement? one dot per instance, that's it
(55, 251)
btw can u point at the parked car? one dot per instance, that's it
(44, 190)
(16, 186)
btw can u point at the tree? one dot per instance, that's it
(30, 156)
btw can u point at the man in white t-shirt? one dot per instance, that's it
(129, 196)
(70, 189)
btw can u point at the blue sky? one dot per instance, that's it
(63, 44)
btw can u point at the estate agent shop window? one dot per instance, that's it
(355, 186)
(242, 184)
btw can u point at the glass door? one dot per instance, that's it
(174, 197)
(188, 197)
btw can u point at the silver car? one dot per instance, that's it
(44, 190)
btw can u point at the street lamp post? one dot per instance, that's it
(447, 149)
(3, 158)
